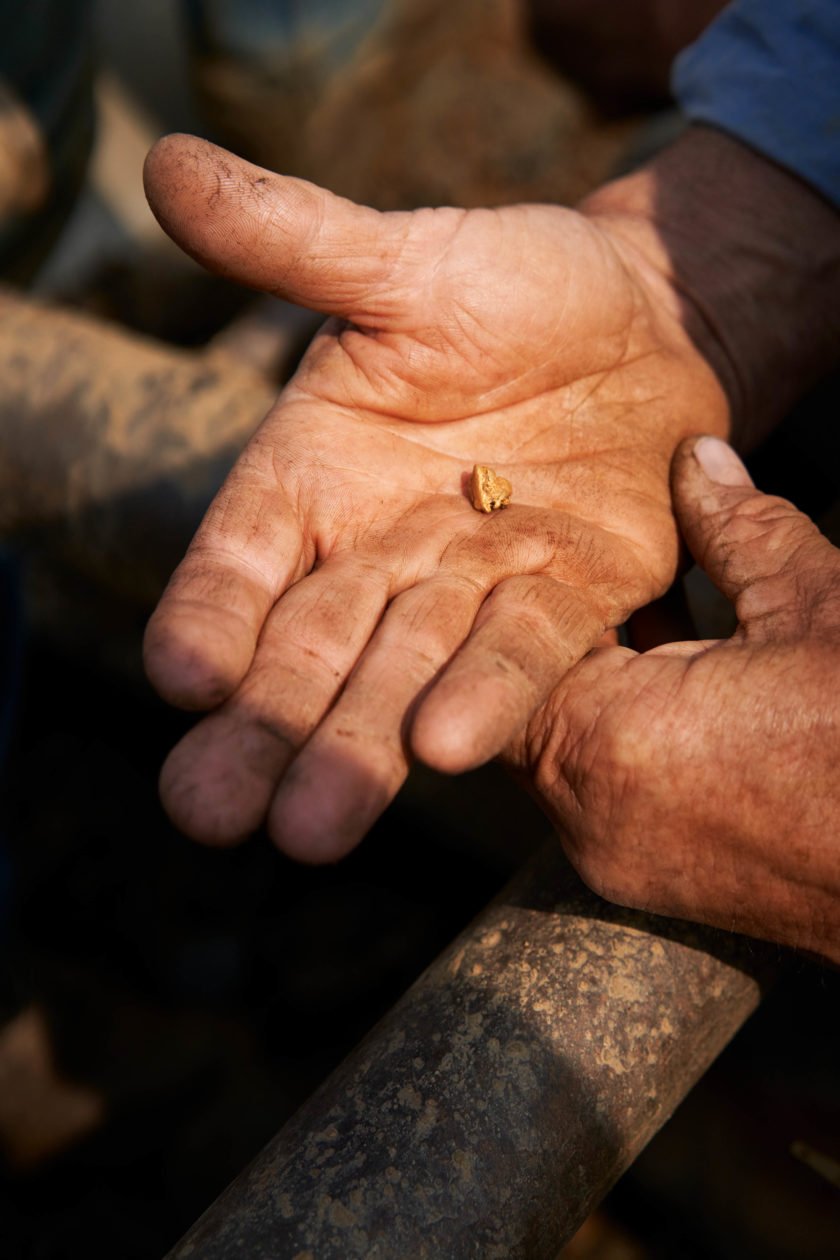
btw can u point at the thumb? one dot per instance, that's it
(763, 554)
(272, 232)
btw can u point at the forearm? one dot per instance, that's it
(752, 254)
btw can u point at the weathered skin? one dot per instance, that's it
(700, 779)
(345, 526)
(503, 1095)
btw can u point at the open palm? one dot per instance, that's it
(343, 607)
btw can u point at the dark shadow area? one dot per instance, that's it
(200, 995)
(721, 1181)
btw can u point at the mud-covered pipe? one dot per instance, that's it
(503, 1095)
(112, 445)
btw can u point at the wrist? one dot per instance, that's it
(750, 256)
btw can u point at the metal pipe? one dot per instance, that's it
(505, 1092)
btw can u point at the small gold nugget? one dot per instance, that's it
(487, 491)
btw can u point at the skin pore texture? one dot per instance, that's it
(701, 779)
(343, 608)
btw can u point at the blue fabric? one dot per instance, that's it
(768, 72)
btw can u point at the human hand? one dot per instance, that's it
(701, 779)
(342, 607)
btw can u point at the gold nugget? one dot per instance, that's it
(487, 491)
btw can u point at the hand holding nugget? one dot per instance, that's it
(343, 607)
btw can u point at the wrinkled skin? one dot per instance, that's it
(343, 608)
(702, 779)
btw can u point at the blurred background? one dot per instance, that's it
(163, 1007)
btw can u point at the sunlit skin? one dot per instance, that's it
(703, 779)
(343, 607)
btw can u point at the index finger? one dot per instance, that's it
(201, 639)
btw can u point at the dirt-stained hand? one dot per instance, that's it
(702, 779)
(343, 607)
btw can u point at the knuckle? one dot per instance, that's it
(798, 585)
(771, 523)
(429, 621)
(759, 538)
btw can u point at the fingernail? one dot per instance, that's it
(720, 463)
